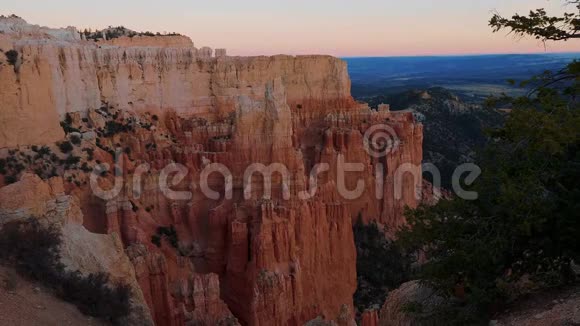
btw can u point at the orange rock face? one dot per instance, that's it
(254, 254)
(370, 318)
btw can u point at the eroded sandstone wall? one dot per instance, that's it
(267, 260)
(54, 76)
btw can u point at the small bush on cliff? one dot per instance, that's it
(65, 147)
(31, 249)
(10, 179)
(12, 57)
(44, 150)
(34, 251)
(66, 124)
(71, 161)
(68, 128)
(167, 233)
(156, 240)
(113, 127)
(86, 168)
(90, 153)
(94, 297)
(119, 31)
(68, 119)
(76, 140)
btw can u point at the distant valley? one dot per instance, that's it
(446, 94)
(472, 77)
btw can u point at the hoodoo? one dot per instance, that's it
(201, 237)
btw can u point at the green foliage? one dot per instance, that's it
(34, 251)
(169, 234)
(524, 222)
(18, 161)
(31, 249)
(76, 140)
(67, 125)
(12, 57)
(381, 266)
(68, 119)
(71, 161)
(119, 31)
(86, 168)
(12, 166)
(9, 16)
(540, 25)
(44, 151)
(113, 127)
(156, 240)
(65, 147)
(90, 153)
(94, 297)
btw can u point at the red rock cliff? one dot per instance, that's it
(279, 258)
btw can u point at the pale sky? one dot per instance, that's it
(336, 27)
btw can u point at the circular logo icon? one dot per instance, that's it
(380, 140)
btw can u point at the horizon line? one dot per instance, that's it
(458, 55)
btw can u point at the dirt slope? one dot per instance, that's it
(23, 303)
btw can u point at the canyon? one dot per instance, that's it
(259, 255)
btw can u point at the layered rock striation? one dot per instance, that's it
(254, 254)
(56, 72)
